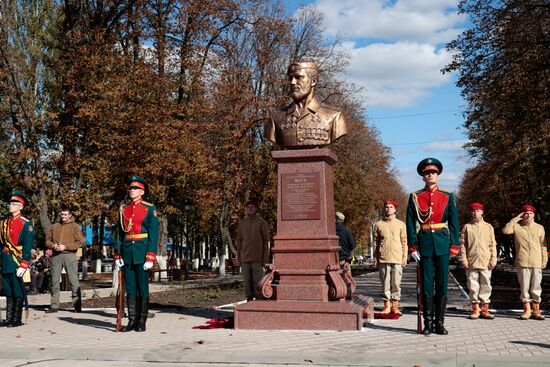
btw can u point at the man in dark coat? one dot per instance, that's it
(347, 242)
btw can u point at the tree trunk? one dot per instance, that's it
(163, 235)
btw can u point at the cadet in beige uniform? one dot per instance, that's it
(478, 254)
(531, 258)
(390, 237)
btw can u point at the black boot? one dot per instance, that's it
(143, 312)
(77, 303)
(428, 313)
(10, 311)
(132, 314)
(440, 306)
(17, 313)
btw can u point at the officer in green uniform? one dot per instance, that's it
(16, 238)
(135, 251)
(432, 232)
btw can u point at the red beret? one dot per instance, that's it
(528, 208)
(390, 202)
(474, 206)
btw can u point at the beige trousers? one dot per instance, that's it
(390, 277)
(252, 274)
(529, 284)
(479, 284)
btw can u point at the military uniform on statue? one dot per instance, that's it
(16, 238)
(434, 210)
(135, 251)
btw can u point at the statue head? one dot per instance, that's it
(303, 77)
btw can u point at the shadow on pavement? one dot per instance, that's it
(523, 342)
(98, 324)
(390, 328)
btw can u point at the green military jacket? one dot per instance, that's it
(138, 231)
(432, 223)
(17, 238)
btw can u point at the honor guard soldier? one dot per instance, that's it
(135, 251)
(478, 255)
(434, 212)
(306, 122)
(16, 237)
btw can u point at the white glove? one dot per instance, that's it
(20, 272)
(119, 263)
(147, 265)
(416, 256)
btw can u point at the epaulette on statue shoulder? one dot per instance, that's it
(330, 107)
(147, 203)
(26, 220)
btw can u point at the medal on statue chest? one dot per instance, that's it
(291, 122)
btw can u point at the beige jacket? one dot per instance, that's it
(390, 237)
(253, 240)
(68, 234)
(478, 247)
(530, 241)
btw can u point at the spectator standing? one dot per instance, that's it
(252, 248)
(64, 239)
(346, 240)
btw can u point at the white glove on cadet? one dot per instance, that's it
(416, 256)
(119, 263)
(147, 265)
(20, 272)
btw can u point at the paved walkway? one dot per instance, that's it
(88, 339)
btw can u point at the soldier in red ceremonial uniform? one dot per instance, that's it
(136, 251)
(16, 238)
(432, 232)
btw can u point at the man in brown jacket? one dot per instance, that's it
(478, 254)
(390, 237)
(252, 248)
(65, 238)
(531, 258)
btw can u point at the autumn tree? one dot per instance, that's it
(504, 72)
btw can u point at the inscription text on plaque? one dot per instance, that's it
(301, 196)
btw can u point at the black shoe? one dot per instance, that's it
(131, 302)
(440, 329)
(52, 310)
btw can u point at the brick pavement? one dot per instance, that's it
(88, 339)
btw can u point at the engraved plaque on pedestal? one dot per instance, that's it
(301, 196)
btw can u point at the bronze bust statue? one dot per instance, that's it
(305, 123)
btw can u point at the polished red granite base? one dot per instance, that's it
(300, 315)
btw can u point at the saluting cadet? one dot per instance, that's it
(478, 255)
(136, 251)
(390, 238)
(434, 210)
(531, 258)
(16, 237)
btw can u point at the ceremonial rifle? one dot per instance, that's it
(418, 299)
(120, 309)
